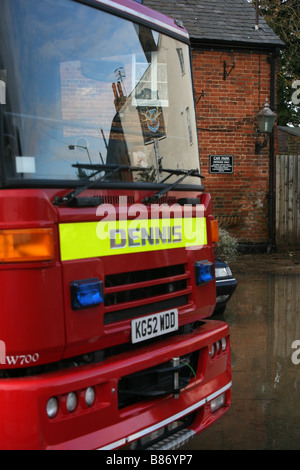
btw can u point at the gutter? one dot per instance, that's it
(223, 44)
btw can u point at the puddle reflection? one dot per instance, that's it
(264, 317)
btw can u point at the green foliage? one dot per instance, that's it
(227, 247)
(284, 19)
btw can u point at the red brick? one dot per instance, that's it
(227, 126)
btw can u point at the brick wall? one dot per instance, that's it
(227, 126)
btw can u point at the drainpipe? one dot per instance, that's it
(271, 243)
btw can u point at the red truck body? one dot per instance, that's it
(103, 341)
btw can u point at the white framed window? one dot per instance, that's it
(150, 82)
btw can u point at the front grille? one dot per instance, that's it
(133, 294)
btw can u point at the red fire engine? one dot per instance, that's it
(106, 233)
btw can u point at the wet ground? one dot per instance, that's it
(264, 318)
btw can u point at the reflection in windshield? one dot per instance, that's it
(84, 86)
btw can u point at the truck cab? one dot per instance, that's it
(106, 233)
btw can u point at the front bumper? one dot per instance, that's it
(224, 289)
(226, 284)
(24, 423)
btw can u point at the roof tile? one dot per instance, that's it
(218, 20)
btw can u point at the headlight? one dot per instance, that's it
(223, 272)
(52, 407)
(71, 402)
(217, 402)
(218, 347)
(90, 396)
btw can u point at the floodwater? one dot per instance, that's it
(264, 318)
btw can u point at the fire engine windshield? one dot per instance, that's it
(82, 86)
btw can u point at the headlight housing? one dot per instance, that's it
(204, 271)
(223, 271)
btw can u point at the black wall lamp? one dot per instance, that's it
(266, 119)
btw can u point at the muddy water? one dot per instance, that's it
(264, 317)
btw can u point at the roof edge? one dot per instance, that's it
(238, 45)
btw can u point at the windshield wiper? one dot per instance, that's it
(72, 195)
(185, 174)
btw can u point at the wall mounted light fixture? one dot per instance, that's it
(266, 119)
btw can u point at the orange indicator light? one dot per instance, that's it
(214, 231)
(24, 245)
